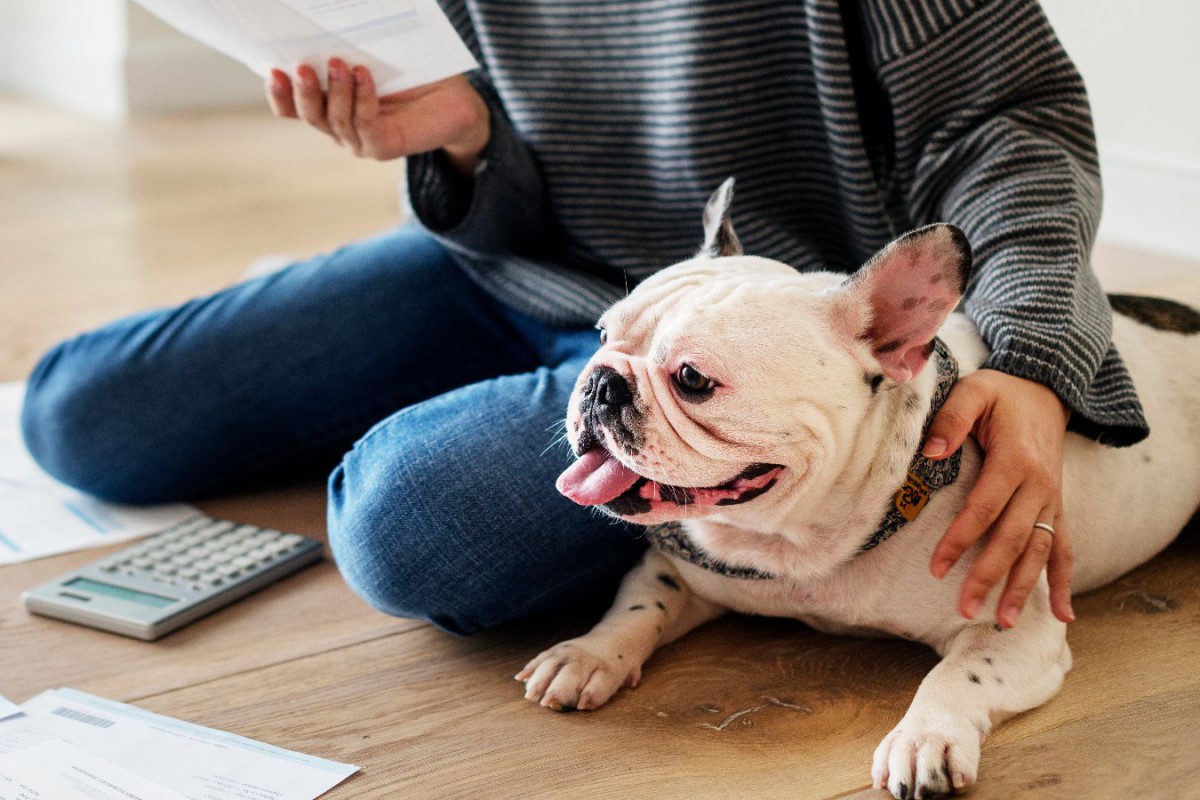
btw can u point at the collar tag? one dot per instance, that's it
(912, 497)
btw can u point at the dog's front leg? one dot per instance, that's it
(653, 607)
(988, 674)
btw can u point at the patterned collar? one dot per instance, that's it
(925, 476)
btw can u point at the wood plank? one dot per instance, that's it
(305, 614)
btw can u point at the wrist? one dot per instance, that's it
(464, 152)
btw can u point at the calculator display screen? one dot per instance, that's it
(121, 592)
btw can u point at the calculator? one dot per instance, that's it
(172, 578)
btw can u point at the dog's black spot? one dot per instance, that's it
(999, 680)
(629, 504)
(973, 678)
(935, 776)
(638, 607)
(660, 605)
(997, 627)
(873, 381)
(987, 659)
(1157, 312)
(912, 402)
(668, 581)
(904, 790)
(747, 496)
(1146, 458)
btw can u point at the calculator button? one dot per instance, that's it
(141, 563)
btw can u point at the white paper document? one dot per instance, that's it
(56, 770)
(40, 517)
(191, 761)
(405, 43)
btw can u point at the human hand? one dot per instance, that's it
(1021, 426)
(448, 115)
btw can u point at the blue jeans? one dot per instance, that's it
(445, 408)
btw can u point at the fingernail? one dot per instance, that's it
(1009, 617)
(958, 780)
(1070, 612)
(972, 607)
(934, 447)
(940, 568)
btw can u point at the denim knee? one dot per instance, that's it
(70, 422)
(394, 557)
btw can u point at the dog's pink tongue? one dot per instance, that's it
(596, 478)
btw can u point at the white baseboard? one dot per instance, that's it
(1151, 204)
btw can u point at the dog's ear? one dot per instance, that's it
(719, 236)
(908, 289)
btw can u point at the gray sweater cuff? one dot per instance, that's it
(500, 212)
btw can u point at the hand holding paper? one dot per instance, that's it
(448, 115)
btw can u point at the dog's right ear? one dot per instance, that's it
(899, 299)
(719, 236)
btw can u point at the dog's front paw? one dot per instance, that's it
(576, 675)
(928, 757)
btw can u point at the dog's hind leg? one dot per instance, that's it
(653, 607)
(988, 674)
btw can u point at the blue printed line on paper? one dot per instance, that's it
(9, 543)
(86, 517)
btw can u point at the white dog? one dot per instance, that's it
(777, 414)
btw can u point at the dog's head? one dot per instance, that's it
(725, 384)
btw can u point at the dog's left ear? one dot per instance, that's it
(719, 236)
(907, 291)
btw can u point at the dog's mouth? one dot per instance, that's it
(598, 479)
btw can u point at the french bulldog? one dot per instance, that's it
(764, 424)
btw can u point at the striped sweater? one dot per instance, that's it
(845, 123)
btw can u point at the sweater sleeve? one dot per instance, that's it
(992, 131)
(502, 211)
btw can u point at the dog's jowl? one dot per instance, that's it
(765, 425)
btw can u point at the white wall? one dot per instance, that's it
(111, 59)
(66, 52)
(1141, 63)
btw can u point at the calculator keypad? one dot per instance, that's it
(203, 553)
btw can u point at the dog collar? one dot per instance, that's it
(925, 476)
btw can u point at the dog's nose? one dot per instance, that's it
(611, 390)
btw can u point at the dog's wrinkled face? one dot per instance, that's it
(725, 382)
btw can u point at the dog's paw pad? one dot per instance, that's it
(927, 759)
(573, 676)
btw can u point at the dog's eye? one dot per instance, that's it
(693, 381)
(603, 336)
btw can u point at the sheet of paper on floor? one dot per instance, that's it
(191, 760)
(40, 516)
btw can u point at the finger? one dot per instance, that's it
(984, 505)
(279, 95)
(366, 110)
(1058, 572)
(953, 423)
(309, 99)
(1009, 540)
(1024, 575)
(339, 104)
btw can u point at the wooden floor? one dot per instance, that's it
(99, 220)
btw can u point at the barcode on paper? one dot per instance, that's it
(79, 716)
